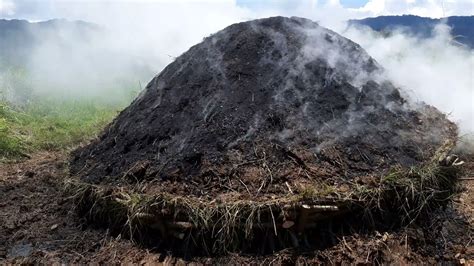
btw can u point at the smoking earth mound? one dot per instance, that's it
(271, 112)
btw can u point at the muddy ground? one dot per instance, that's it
(38, 224)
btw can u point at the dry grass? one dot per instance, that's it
(221, 227)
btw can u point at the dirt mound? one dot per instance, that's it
(260, 98)
(273, 123)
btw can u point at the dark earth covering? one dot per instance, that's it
(461, 26)
(262, 103)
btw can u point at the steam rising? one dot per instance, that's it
(437, 70)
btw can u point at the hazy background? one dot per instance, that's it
(134, 40)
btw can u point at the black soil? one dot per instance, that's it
(264, 106)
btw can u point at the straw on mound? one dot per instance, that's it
(265, 118)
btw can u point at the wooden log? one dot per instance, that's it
(303, 219)
(180, 225)
(312, 207)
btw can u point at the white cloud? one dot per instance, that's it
(375, 7)
(7, 8)
(426, 8)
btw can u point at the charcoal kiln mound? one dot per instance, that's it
(270, 124)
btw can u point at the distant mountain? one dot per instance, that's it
(462, 28)
(18, 38)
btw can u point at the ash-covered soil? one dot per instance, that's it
(38, 225)
(269, 105)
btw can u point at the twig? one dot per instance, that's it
(261, 186)
(346, 245)
(273, 219)
(289, 188)
(245, 186)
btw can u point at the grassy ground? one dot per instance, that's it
(36, 116)
(51, 124)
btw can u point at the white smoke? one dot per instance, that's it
(133, 42)
(436, 70)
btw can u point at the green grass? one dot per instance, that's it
(50, 118)
(10, 142)
(51, 124)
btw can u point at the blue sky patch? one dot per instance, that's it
(353, 3)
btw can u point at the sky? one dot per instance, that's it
(317, 9)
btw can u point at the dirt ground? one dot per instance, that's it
(38, 225)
